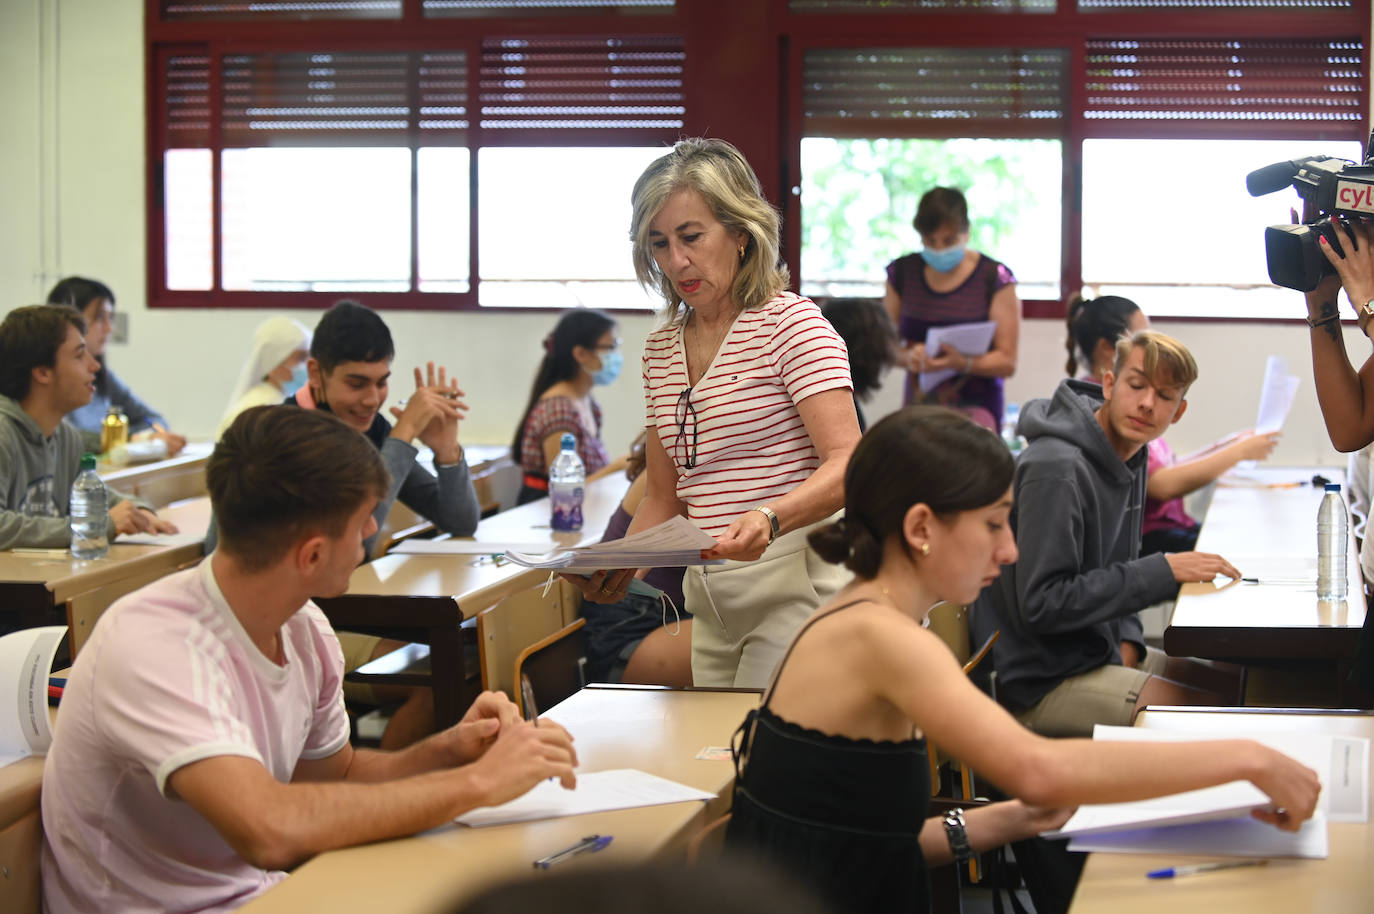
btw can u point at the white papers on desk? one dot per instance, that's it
(184, 538)
(1216, 820)
(1276, 396)
(599, 791)
(972, 339)
(418, 546)
(674, 543)
(25, 662)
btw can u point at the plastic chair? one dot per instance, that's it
(552, 668)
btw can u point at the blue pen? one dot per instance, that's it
(1174, 871)
(589, 844)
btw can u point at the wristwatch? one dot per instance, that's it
(773, 528)
(957, 834)
(1366, 310)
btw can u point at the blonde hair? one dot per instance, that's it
(1162, 353)
(716, 170)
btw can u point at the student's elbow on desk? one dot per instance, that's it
(251, 810)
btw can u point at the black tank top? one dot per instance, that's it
(841, 814)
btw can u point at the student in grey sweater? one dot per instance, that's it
(1072, 653)
(45, 373)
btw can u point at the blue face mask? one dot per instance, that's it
(299, 378)
(942, 261)
(610, 367)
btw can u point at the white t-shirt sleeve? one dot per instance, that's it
(166, 715)
(329, 727)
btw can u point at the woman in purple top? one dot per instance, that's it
(949, 283)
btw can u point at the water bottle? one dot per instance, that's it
(567, 478)
(1011, 416)
(90, 513)
(1332, 521)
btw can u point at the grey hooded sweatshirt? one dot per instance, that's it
(36, 476)
(1072, 596)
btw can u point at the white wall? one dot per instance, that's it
(72, 166)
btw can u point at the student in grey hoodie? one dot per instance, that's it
(1072, 653)
(45, 373)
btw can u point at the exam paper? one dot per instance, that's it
(25, 662)
(1276, 396)
(417, 546)
(598, 791)
(184, 538)
(673, 543)
(970, 339)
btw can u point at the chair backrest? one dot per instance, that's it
(708, 841)
(553, 667)
(21, 836)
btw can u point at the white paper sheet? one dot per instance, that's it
(417, 546)
(970, 339)
(184, 538)
(1276, 395)
(598, 791)
(675, 542)
(25, 662)
(1240, 837)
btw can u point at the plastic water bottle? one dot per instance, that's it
(567, 480)
(1332, 522)
(1011, 417)
(90, 513)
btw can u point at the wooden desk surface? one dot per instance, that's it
(475, 581)
(1116, 883)
(659, 731)
(1270, 534)
(66, 576)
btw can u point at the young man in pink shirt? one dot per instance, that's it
(202, 746)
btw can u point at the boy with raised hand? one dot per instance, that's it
(202, 746)
(45, 373)
(1072, 653)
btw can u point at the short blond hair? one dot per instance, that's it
(718, 171)
(1163, 354)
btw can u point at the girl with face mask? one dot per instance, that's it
(275, 369)
(949, 283)
(582, 352)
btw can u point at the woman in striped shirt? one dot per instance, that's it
(750, 415)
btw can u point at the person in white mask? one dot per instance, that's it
(950, 283)
(275, 368)
(582, 352)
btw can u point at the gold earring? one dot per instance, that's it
(741, 253)
(925, 549)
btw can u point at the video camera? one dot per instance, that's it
(1338, 187)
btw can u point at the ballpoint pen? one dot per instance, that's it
(589, 844)
(1175, 871)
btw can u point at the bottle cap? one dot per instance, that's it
(88, 461)
(568, 442)
(1333, 487)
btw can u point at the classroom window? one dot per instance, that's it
(859, 198)
(1168, 223)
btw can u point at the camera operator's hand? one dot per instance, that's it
(1356, 268)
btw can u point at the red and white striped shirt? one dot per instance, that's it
(750, 443)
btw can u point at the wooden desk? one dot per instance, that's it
(56, 589)
(1116, 883)
(427, 597)
(162, 482)
(656, 730)
(1269, 534)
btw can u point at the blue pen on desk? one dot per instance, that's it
(1175, 871)
(590, 844)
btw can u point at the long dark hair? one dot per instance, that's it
(868, 336)
(583, 327)
(918, 455)
(1092, 320)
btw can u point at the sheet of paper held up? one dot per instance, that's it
(970, 339)
(1216, 820)
(598, 791)
(25, 662)
(1276, 395)
(673, 543)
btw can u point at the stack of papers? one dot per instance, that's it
(673, 543)
(971, 339)
(599, 791)
(1216, 820)
(25, 661)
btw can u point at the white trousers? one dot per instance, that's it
(745, 614)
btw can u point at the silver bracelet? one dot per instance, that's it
(957, 833)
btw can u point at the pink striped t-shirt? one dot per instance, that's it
(750, 443)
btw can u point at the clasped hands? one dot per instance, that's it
(947, 359)
(432, 414)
